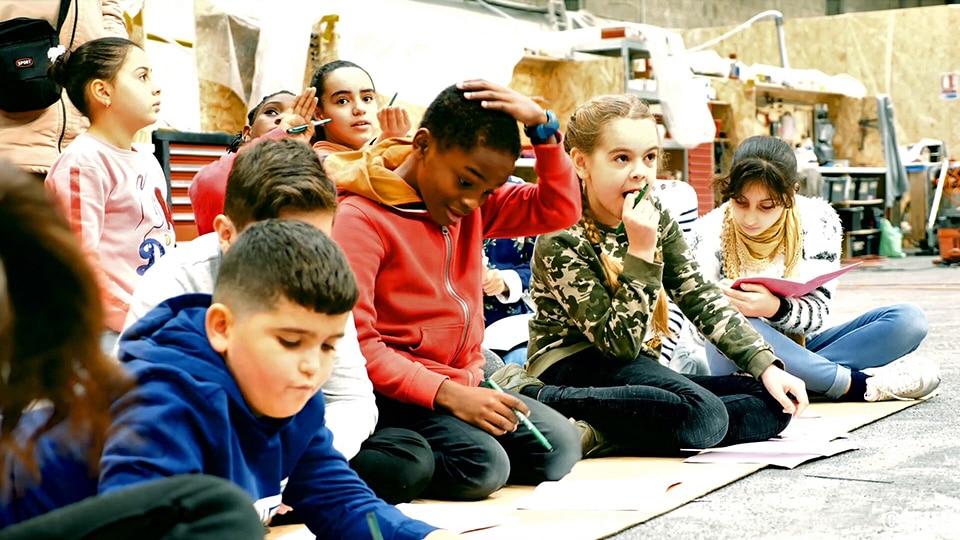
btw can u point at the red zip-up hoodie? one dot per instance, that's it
(420, 313)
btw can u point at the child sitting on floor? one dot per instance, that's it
(412, 219)
(229, 385)
(764, 228)
(600, 291)
(283, 179)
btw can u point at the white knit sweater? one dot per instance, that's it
(822, 242)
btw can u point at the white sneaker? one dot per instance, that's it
(912, 377)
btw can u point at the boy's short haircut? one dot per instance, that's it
(458, 122)
(273, 176)
(285, 258)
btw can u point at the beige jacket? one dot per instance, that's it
(31, 139)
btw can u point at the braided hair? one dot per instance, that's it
(584, 130)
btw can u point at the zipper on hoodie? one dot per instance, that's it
(463, 303)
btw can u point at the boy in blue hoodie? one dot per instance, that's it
(228, 386)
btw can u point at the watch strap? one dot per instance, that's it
(539, 133)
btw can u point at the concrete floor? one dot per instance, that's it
(903, 482)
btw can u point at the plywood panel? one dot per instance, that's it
(563, 84)
(899, 52)
(748, 103)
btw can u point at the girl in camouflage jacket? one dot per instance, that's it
(599, 292)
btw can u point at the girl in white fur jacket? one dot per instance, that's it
(764, 229)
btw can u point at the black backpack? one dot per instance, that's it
(24, 45)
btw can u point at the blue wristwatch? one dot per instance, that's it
(540, 133)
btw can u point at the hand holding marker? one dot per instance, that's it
(316, 123)
(525, 421)
(636, 201)
(394, 98)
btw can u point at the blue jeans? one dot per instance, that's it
(873, 339)
(516, 356)
(470, 463)
(642, 408)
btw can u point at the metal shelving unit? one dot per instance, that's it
(630, 49)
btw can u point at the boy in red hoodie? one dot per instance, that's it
(412, 220)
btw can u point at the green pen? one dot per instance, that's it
(316, 123)
(375, 532)
(636, 201)
(525, 421)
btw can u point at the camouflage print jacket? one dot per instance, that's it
(576, 311)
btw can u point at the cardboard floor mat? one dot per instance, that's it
(642, 488)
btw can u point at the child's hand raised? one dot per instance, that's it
(641, 221)
(487, 409)
(394, 122)
(500, 98)
(301, 113)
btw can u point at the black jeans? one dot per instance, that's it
(471, 463)
(644, 408)
(184, 507)
(396, 463)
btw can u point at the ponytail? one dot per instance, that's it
(96, 59)
(58, 60)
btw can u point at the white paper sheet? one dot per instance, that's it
(586, 494)
(786, 453)
(507, 333)
(457, 517)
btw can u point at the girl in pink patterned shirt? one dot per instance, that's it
(114, 196)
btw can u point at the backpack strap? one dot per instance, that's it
(62, 16)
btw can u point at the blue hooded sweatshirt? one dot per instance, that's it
(186, 415)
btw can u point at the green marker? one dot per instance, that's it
(636, 201)
(525, 421)
(316, 123)
(375, 532)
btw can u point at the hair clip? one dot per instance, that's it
(55, 52)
